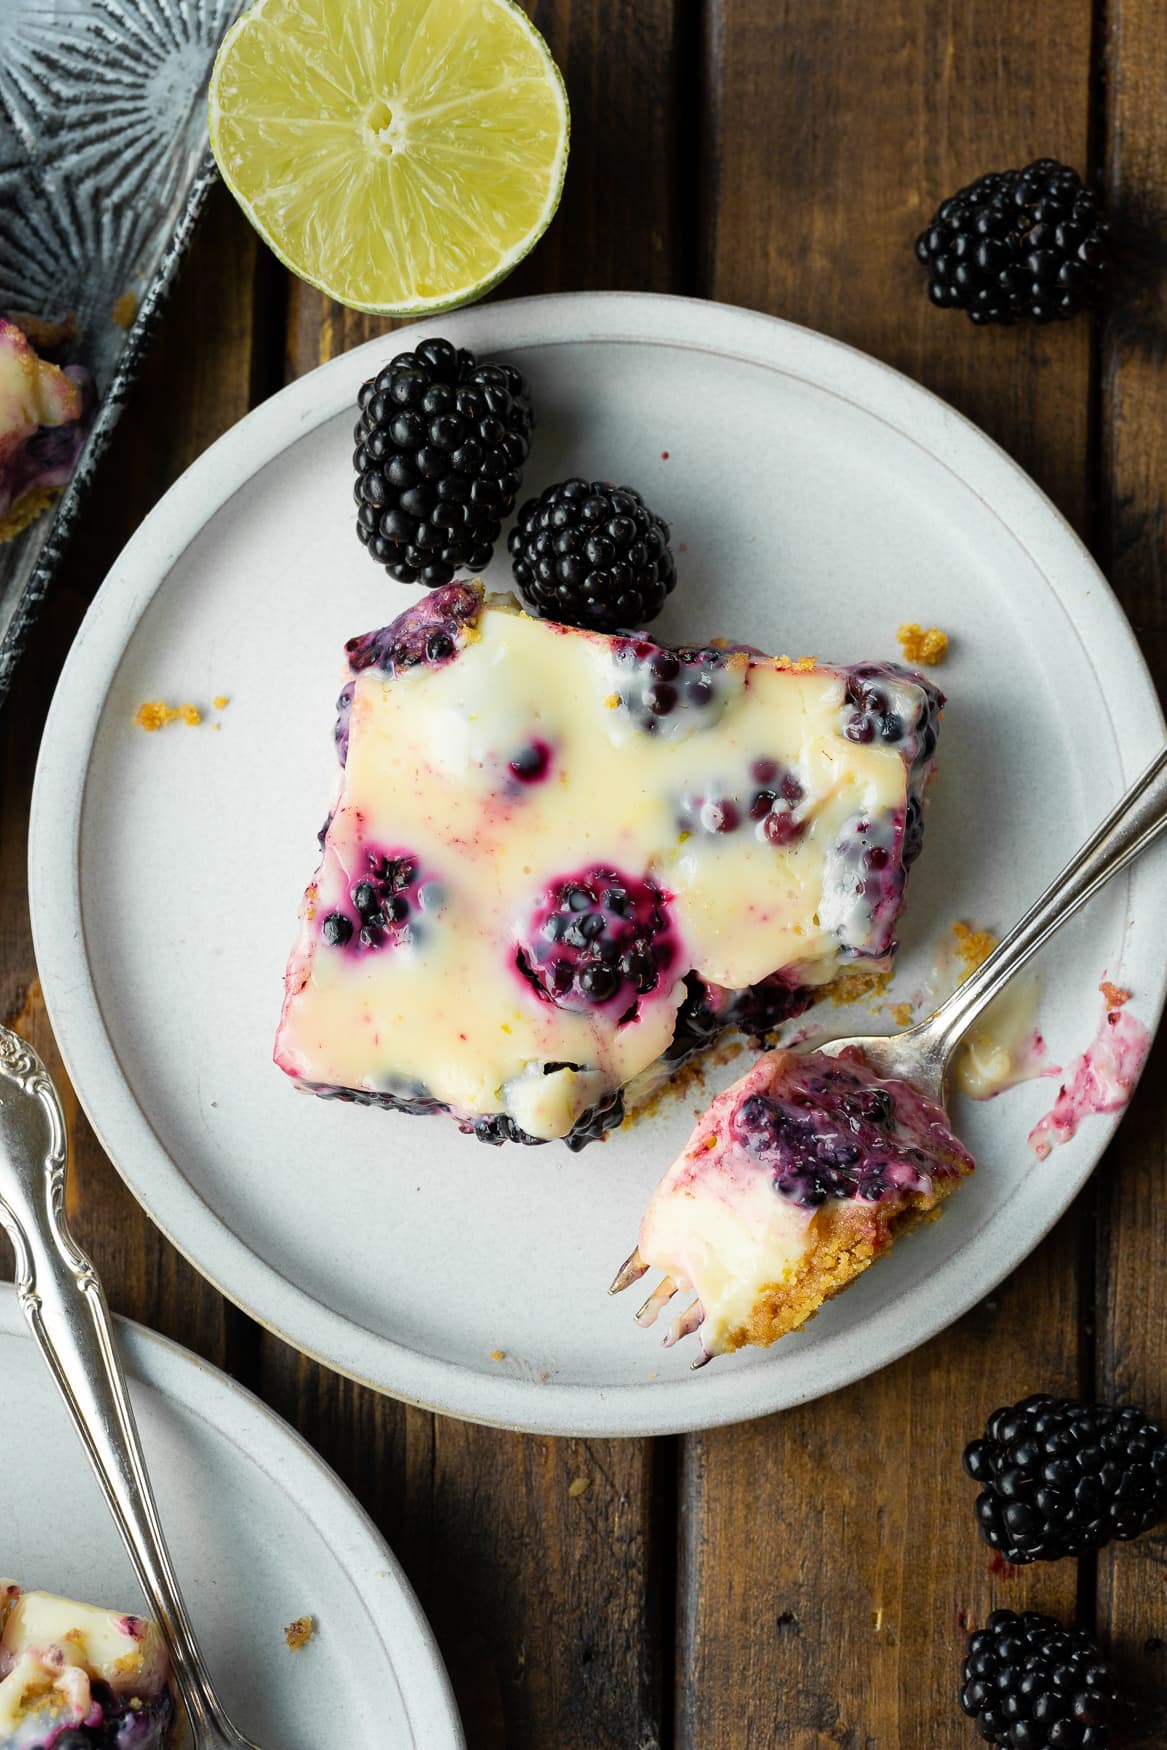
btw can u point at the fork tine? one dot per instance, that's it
(685, 1323)
(660, 1296)
(630, 1271)
(702, 1360)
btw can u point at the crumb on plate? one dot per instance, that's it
(901, 1014)
(919, 644)
(155, 714)
(125, 309)
(220, 701)
(858, 986)
(498, 1354)
(578, 1486)
(973, 947)
(299, 1633)
(1114, 994)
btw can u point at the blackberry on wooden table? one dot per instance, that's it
(1060, 1477)
(1016, 245)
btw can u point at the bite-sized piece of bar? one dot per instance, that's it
(42, 429)
(558, 862)
(73, 1675)
(796, 1179)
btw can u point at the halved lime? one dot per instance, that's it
(401, 155)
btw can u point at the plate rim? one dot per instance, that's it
(179, 1375)
(205, 487)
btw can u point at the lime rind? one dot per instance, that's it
(311, 157)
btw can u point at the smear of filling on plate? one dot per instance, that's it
(1102, 1079)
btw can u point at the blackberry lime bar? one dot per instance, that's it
(41, 429)
(560, 861)
(797, 1178)
(73, 1677)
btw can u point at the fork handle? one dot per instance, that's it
(1129, 828)
(65, 1306)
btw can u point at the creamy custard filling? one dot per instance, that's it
(546, 845)
(790, 1185)
(65, 1665)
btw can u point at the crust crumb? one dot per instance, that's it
(299, 1633)
(577, 1487)
(973, 947)
(125, 309)
(858, 986)
(901, 1014)
(798, 664)
(847, 1243)
(156, 714)
(1114, 994)
(498, 1355)
(918, 644)
(220, 701)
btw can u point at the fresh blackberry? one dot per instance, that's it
(592, 556)
(1031, 1684)
(441, 443)
(1017, 245)
(1059, 1477)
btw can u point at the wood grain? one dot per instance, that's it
(544, 1593)
(1132, 544)
(830, 1564)
(196, 382)
(834, 131)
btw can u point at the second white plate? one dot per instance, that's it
(261, 1533)
(817, 500)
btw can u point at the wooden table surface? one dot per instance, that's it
(804, 1580)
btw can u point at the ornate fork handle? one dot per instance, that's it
(66, 1309)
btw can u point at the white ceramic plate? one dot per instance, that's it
(261, 1532)
(817, 500)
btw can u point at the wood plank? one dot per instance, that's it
(195, 383)
(830, 1564)
(546, 1602)
(1132, 1241)
(832, 133)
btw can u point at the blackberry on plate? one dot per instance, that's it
(1060, 1477)
(1031, 1684)
(1016, 245)
(441, 442)
(592, 555)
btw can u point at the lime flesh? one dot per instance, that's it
(401, 155)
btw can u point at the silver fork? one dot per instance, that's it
(66, 1309)
(922, 1055)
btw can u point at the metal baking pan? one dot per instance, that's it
(104, 167)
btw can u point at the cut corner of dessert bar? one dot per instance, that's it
(794, 1181)
(558, 863)
(75, 1675)
(45, 414)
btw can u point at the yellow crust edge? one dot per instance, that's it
(847, 1242)
(26, 510)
